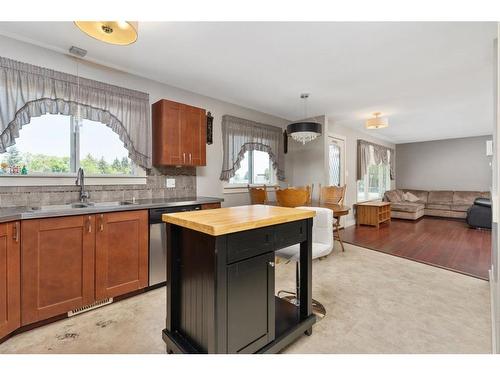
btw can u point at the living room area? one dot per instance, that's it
(440, 207)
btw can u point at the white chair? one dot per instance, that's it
(322, 238)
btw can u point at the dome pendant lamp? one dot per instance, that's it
(121, 33)
(304, 131)
(376, 122)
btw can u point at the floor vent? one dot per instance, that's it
(92, 306)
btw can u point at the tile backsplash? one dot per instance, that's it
(155, 187)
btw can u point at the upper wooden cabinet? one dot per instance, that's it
(121, 253)
(57, 266)
(10, 268)
(179, 134)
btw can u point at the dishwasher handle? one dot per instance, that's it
(155, 213)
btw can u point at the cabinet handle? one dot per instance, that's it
(15, 235)
(184, 157)
(271, 264)
(190, 158)
(89, 229)
(101, 226)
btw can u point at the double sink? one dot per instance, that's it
(77, 205)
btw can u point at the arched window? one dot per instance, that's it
(56, 145)
(256, 168)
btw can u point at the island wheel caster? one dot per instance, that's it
(309, 332)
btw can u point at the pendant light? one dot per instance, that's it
(304, 131)
(377, 122)
(113, 32)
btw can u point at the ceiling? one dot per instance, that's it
(433, 80)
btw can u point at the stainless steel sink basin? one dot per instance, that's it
(111, 204)
(58, 207)
(71, 206)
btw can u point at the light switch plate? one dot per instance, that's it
(170, 182)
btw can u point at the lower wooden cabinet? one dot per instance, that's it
(57, 266)
(121, 253)
(71, 262)
(10, 268)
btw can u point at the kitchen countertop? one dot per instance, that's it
(22, 213)
(236, 219)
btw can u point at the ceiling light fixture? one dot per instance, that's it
(304, 131)
(377, 122)
(113, 32)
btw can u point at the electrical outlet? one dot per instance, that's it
(170, 182)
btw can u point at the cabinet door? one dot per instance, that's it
(57, 266)
(194, 135)
(250, 304)
(10, 278)
(167, 138)
(121, 253)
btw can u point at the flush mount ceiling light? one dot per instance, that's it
(377, 122)
(113, 32)
(304, 131)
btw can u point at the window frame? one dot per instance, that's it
(49, 179)
(242, 187)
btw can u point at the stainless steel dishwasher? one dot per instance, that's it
(158, 242)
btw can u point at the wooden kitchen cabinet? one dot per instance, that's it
(10, 278)
(57, 266)
(121, 253)
(179, 134)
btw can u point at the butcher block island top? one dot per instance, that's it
(222, 221)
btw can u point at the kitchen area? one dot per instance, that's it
(66, 250)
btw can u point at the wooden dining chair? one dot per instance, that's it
(308, 188)
(292, 197)
(258, 195)
(332, 194)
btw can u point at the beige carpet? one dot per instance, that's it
(376, 303)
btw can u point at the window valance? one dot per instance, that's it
(381, 155)
(240, 135)
(28, 91)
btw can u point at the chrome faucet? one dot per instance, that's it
(80, 181)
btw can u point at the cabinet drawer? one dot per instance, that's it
(248, 244)
(290, 233)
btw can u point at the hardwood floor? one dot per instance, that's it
(444, 243)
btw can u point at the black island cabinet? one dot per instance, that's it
(220, 280)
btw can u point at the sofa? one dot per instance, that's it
(442, 203)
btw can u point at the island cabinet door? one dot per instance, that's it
(121, 253)
(10, 278)
(57, 272)
(250, 304)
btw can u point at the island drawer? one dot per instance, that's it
(290, 233)
(250, 243)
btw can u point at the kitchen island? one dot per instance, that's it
(220, 280)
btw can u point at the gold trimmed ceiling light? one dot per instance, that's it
(377, 122)
(113, 32)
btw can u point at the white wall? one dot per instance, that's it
(207, 180)
(495, 232)
(449, 164)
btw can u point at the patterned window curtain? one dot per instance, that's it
(240, 135)
(28, 91)
(381, 155)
